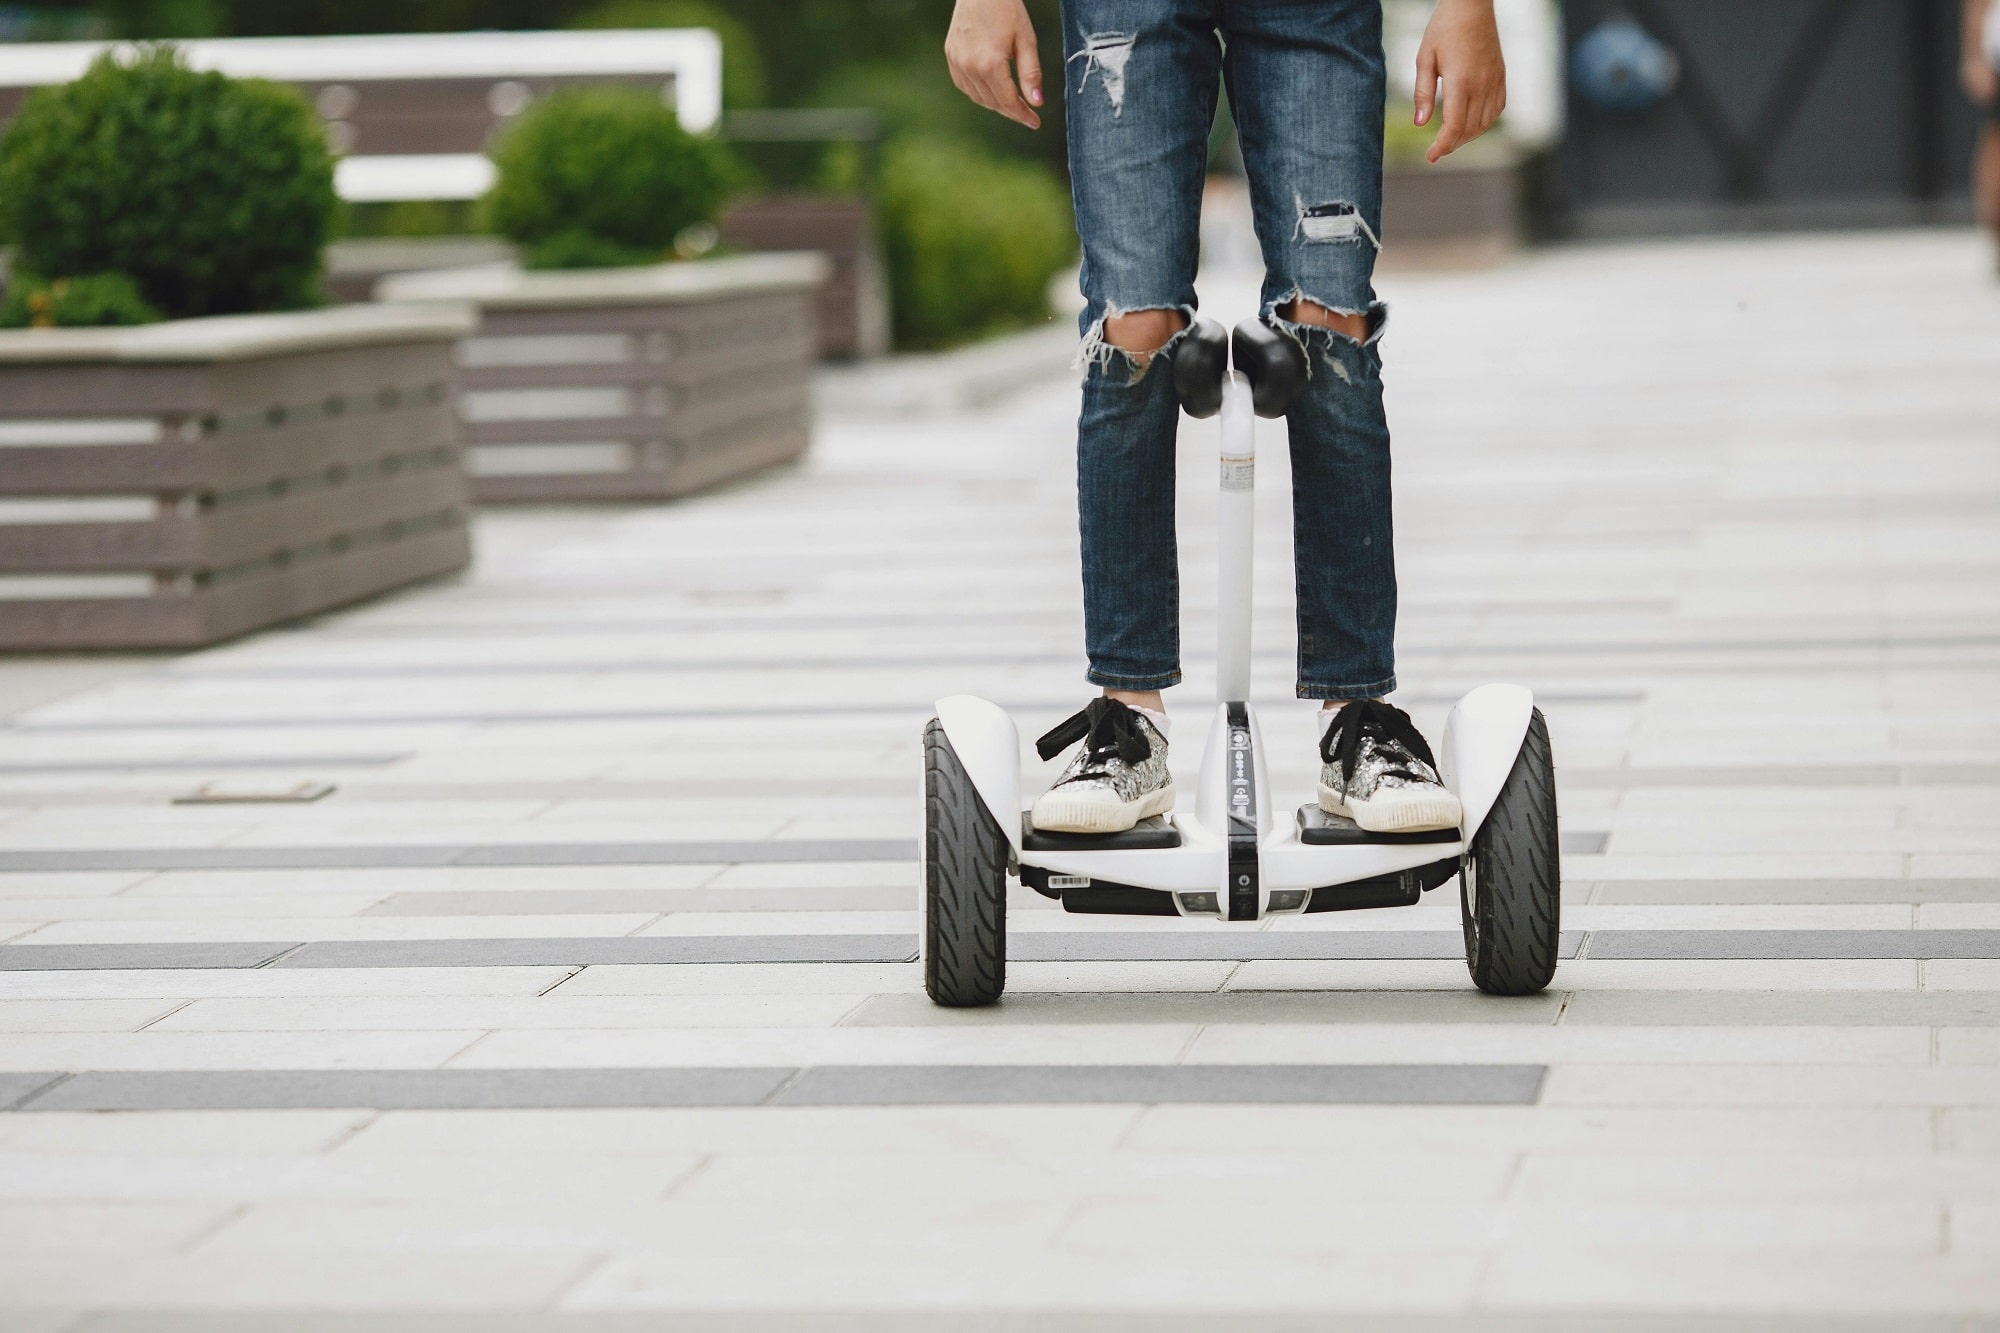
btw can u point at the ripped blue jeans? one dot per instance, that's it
(1306, 85)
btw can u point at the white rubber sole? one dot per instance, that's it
(1397, 811)
(1057, 813)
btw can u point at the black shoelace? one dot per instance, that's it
(1385, 722)
(1106, 727)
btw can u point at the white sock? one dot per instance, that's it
(1154, 716)
(1326, 717)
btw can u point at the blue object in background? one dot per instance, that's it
(1621, 67)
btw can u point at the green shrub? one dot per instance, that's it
(598, 177)
(92, 301)
(214, 195)
(971, 241)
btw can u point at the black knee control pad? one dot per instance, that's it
(1201, 361)
(1274, 364)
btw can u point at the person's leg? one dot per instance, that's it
(1140, 88)
(1307, 86)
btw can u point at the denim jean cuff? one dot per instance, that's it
(1105, 680)
(1348, 693)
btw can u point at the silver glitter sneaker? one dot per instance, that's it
(1117, 778)
(1380, 772)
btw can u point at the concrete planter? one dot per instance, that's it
(171, 486)
(354, 268)
(631, 384)
(854, 305)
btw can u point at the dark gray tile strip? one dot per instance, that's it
(1221, 942)
(612, 950)
(1705, 892)
(407, 1089)
(1321, 1008)
(892, 1085)
(1218, 944)
(252, 761)
(1656, 944)
(1748, 1008)
(264, 1320)
(116, 957)
(882, 897)
(692, 853)
(830, 1085)
(455, 854)
(1787, 775)
(17, 1088)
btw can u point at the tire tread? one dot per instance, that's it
(965, 884)
(1512, 948)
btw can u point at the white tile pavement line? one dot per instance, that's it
(1747, 559)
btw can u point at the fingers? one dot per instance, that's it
(987, 80)
(1427, 81)
(1466, 114)
(1457, 130)
(1028, 66)
(983, 57)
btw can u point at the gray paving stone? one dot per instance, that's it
(446, 854)
(1583, 842)
(566, 902)
(1032, 1009)
(895, 1085)
(829, 948)
(16, 1088)
(118, 957)
(958, 1321)
(407, 1089)
(1118, 946)
(1826, 1008)
(151, 763)
(771, 850)
(832, 1085)
(1727, 892)
(1636, 944)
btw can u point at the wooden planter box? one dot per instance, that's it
(854, 304)
(631, 384)
(174, 485)
(1460, 212)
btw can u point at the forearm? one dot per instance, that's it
(1972, 28)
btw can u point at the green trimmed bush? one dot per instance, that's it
(600, 177)
(971, 240)
(212, 195)
(95, 300)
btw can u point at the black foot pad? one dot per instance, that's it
(1154, 832)
(1317, 828)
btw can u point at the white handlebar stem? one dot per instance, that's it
(1235, 538)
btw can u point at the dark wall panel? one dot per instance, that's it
(1787, 112)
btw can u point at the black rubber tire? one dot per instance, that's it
(1512, 907)
(965, 884)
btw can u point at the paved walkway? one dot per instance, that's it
(588, 990)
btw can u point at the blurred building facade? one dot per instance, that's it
(1702, 115)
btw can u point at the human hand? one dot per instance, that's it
(986, 37)
(1982, 82)
(1461, 46)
